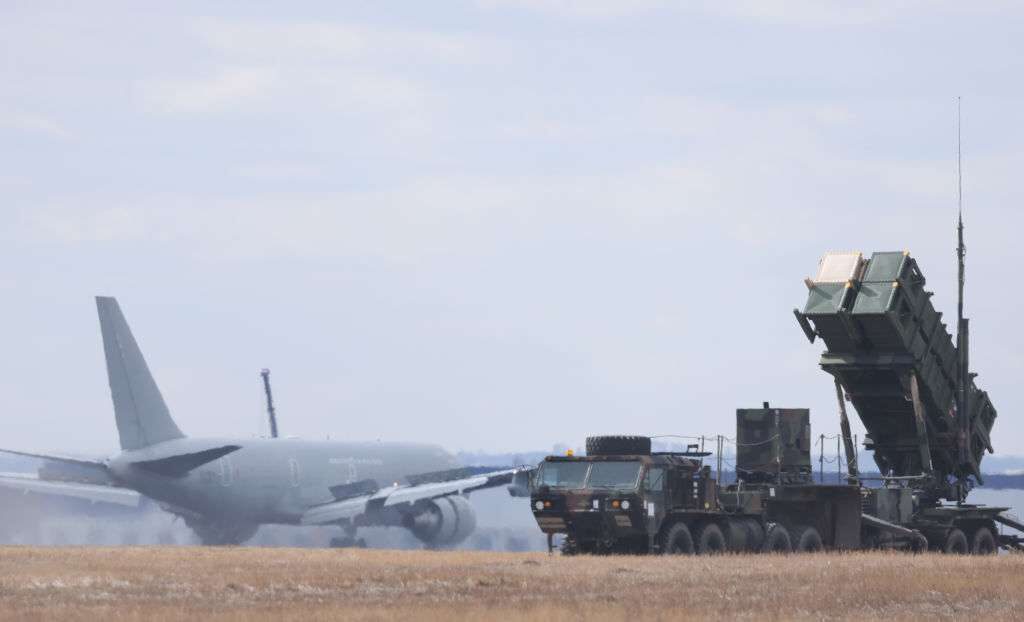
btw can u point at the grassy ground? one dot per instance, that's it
(251, 584)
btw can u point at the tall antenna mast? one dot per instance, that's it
(960, 249)
(271, 413)
(962, 347)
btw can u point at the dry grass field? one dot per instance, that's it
(253, 584)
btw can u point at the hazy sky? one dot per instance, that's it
(494, 225)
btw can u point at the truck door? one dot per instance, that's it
(654, 497)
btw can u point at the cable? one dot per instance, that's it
(767, 440)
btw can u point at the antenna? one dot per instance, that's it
(962, 347)
(265, 373)
(960, 249)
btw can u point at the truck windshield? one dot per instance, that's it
(562, 474)
(614, 475)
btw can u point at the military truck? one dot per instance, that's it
(928, 426)
(623, 498)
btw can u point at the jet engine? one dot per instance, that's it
(442, 522)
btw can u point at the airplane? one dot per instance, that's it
(225, 488)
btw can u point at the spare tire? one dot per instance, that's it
(618, 445)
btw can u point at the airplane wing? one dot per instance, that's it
(66, 469)
(75, 478)
(349, 508)
(76, 461)
(97, 493)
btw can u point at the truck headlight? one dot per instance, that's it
(539, 505)
(625, 504)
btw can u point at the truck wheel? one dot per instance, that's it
(677, 541)
(737, 536)
(806, 539)
(755, 535)
(956, 543)
(618, 445)
(983, 542)
(569, 547)
(919, 544)
(710, 540)
(777, 540)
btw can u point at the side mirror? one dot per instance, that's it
(521, 483)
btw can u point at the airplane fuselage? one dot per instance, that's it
(226, 488)
(272, 480)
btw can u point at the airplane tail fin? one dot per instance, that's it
(142, 416)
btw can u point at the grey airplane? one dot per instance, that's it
(225, 488)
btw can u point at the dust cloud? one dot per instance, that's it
(503, 524)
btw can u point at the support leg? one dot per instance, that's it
(922, 431)
(844, 424)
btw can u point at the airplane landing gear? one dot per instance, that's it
(349, 540)
(218, 533)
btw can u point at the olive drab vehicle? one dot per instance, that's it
(928, 425)
(623, 498)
